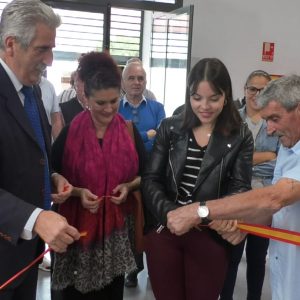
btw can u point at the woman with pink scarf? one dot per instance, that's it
(102, 160)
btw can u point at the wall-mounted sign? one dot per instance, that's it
(268, 51)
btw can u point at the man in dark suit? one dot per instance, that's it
(27, 37)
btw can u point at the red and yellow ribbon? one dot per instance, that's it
(282, 235)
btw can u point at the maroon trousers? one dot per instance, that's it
(188, 267)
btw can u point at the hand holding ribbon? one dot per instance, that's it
(278, 234)
(229, 230)
(89, 200)
(63, 188)
(55, 230)
(5, 284)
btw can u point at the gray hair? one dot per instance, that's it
(285, 91)
(20, 17)
(134, 59)
(258, 73)
(132, 65)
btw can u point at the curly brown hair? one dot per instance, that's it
(98, 70)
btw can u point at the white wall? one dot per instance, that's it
(234, 31)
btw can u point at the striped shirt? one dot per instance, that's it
(195, 154)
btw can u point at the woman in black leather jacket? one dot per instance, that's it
(199, 155)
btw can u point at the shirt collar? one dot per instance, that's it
(296, 148)
(242, 112)
(15, 81)
(126, 102)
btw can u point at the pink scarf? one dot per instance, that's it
(99, 169)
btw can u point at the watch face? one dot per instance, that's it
(203, 211)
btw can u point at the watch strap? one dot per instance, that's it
(206, 220)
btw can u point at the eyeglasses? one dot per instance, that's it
(252, 90)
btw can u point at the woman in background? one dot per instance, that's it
(264, 159)
(202, 154)
(102, 161)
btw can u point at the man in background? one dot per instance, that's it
(51, 105)
(146, 114)
(75, 105)
(147, 93)
(70, 92)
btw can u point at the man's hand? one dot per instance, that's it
(151, 134)
(228, 230)
(55, 230)
(223, 226)
(182, 219)
(63, 188)
(234, 238)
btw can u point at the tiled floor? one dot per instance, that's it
(144, 292)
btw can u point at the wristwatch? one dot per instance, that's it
(203, 212)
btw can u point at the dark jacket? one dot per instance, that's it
(226, 168)
(21, 178)
(70, 109)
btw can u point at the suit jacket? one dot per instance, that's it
(21, 178)
(70, 109)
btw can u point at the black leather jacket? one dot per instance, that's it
(226, 169)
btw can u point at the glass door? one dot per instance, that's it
(80, 32)
(171, 56)
(117, 30)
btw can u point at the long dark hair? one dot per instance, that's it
(216, 74)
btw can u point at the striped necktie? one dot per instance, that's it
(32, 112)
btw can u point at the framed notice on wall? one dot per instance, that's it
(268, 51)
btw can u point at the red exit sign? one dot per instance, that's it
(268, 51)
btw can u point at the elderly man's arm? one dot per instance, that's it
(258, 205)
(255, 206)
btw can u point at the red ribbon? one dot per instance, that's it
(24, 270)
(10, 280)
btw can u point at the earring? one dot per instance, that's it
(225, 101)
